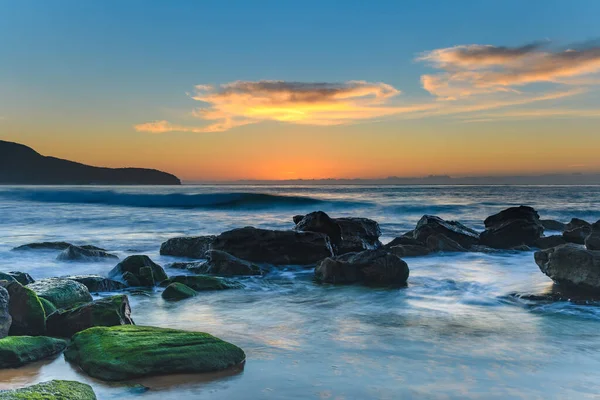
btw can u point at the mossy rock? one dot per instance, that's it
(138, 270)
(26, 310)
(178, 291)
(20, 350)
(129, 351)
(109, 311)
(49, 308)
(63, 293)
(203, 282)
(5, 317)
(53, 390)
(97, 283)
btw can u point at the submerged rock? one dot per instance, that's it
(409, 250)
(16, 351)
(571, 265)
(63, 293)
(441, 242)
(110, 311)
(178, 291)
(512, 227)
(545, 242)
(21, 277)
(5, 318)
(203, 282)
(376, 267)
(97, 283)
(138, 270)
(75, 253)
(128, 351)
(53, 246)
(578, 234)
(274, 247)
(429, 225)
(224, 264)
(592, 241)
(552, 225)
(26, 310)
(187, 246)
(53, 390)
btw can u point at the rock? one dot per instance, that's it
(21, 277)
(26, 310)
(297, 218)
(571, 265)
(110, 311)
(404, 241)
(97, 283)
(187, 246)
(370, 267)
(577, 235)
(429, 225)
(48, 307)
(441, 242)
(522, 247)
(53, 390)
(552, 225)
(318, 221)
(178, 291)
(202, 282)
(479, 248)
(358, 234)
(545, 242)
(224, 264)
(75, 253)
(592, 241)
(512, 227)
(16, 351)
(63, 293)
(138, 270)
(409, 250)
(129, 351)
(577, 223)
(274, 247)
(5, 318)
(53, 246)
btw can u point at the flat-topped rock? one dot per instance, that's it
(552, 225)
(53, 390)
(76, 253)
(53, 246)
(16, 351)
(63, 293)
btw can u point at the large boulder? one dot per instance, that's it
(26, 310)
(76, 253)
(21, 277)
(129, 351)
(578, 234)
(52, 390)
(5, 318)
(358, 234)
(592, 241)
(20, 350)
(274, 247)
(546, 242)
(552, 225)
(318, 221)
(187, 246)
(571, 265)
(203, 282)
(138, 270)
(224, 264)
(512, 227)
(97, 283)
(63, 293)
(178, 291)
(372, 267)
(429, 225)
(409, 250)
(110, 311)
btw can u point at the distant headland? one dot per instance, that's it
(20, 164)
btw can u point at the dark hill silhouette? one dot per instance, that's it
(20, 164)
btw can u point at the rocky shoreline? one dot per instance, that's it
(44, 318)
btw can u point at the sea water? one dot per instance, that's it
(454, 332)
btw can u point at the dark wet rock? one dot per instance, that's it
(373, 267)
(203, 282)
(138, 270)
(109, 311)
(187, 246)
(52, 390)
(442, 243)
(429, 225)
(546, 242)
(358, 234)
(571, 265)
(75, 253)
(592, 241)
(577, 223)
(522, 247)
(578, 234)
(479, 248)
(297, 218)
(274, 247)
(409, 250)
(512, 227)
(318, 221)
(129, 351)
(5, 318)
(178, 291)
(63, 293)
(54, 246)
(26, 310)
(552, 225)
(224, 264)
(21, 277)
(404, 241)
(558, 293)
(97, 283)
(16, 351)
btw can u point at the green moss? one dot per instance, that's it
(19, 350)
(26, 310)
(178, 291)
(203, 282)
(53, 390)
(128, 351)
(49, 308)
(63, 293)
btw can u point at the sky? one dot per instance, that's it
(226, 90)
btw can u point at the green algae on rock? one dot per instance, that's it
(129, 351)
(203, 282)
(178, 291)
(49, 308)
(63, 293)
(52, 390)
(26, 310)
(20, 350)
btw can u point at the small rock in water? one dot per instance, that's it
(53, 390)
(178, 291)
(16, 351)
(571, 265)
(512, 227)
(75, 253)
(54, 246)
(203, 282)
(138, 270)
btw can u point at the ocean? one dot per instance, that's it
(455, 332)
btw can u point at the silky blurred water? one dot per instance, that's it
(453, 333)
